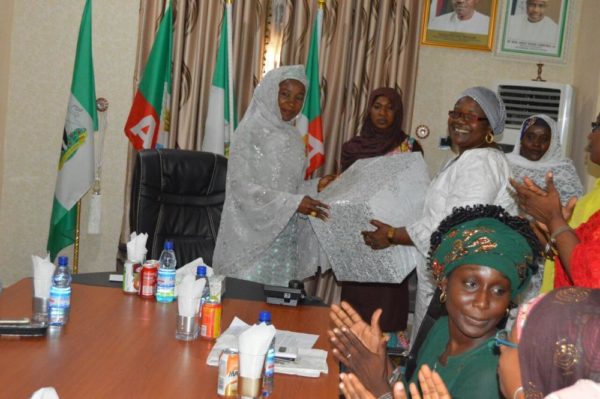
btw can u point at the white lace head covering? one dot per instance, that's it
(264, 104)
(490, 103)
(566, 180)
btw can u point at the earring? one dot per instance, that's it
(507, 312)
(443, 297)
(489, 138)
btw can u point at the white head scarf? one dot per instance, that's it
(492, 106)
(566, 179)
(264, 105)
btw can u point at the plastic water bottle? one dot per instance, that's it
(201, 275)
(267, 386)
(165, 283)
(59, 303)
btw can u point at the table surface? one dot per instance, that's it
(121, 346)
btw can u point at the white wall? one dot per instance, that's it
(41, 55)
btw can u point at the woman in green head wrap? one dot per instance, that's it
(481, 257)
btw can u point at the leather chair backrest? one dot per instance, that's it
(178, 195)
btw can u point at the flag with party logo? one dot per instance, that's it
(76, 164)
(149, 118)
(310, 123)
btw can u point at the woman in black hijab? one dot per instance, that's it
(381, 134)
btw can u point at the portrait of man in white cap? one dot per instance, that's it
(464, 18)
(533, 26)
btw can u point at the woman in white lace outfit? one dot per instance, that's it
(537, 152)
(267, 200)
(478, 175)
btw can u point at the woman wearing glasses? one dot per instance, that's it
(573, 234)
(477, 175)
(481, 258)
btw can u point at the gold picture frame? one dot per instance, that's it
(442, 25)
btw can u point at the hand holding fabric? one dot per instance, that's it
(325, 181)
(377, 239)
(312, 207)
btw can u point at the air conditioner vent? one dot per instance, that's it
(523, 101)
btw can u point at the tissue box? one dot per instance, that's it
(388, 188)
(217, 285)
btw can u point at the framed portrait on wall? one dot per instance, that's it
(465, 24)
(535, 30)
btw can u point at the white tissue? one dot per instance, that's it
(190, 292)
(43, 270)
(45, 393)
(189, 269)
(253, 345)
(136, 247)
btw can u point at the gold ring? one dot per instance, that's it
(313, 214)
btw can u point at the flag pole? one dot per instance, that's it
(230, 62)
(76, 245)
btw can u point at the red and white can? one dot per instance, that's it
(210, 327)
(148, 276)
(229, 370)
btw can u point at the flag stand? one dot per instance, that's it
(76, 245)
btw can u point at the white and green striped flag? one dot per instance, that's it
(76, 165)
(221, 109)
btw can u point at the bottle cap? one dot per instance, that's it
(168, 244)
(265, 316)
(201, 271)
(63, 260)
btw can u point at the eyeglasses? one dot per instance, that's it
(502, 339)
(468, 117)
(595, 126)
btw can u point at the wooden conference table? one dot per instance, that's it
(121, 346)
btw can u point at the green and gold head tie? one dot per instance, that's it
(486, 242)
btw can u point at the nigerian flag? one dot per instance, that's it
(310, 123)
(221, 107)
(76, 164)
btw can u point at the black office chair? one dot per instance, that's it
(178, 195)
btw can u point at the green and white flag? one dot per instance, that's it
(221, 109)
(76, 165)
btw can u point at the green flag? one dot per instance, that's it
(76, 164)
(218, 125)
(149, 119)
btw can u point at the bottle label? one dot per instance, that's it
(59, 304)
(165, 284)
(60, 297)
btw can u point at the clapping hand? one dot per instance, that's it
(370, 367)
(370, 336)
(543, 205)
(431, 383)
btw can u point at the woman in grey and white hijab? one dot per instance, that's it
(538, 151)
(267, 199)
